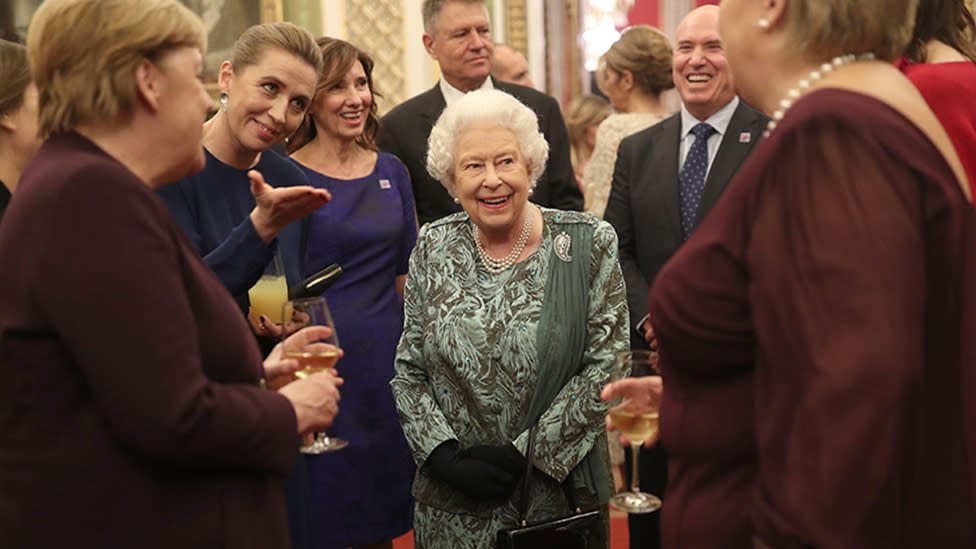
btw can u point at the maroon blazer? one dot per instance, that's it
(130, 412)
(816, 337)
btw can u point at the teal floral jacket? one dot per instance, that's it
(467, 363)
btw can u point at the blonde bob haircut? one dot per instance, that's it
(824, 29)
(84, 54)
(485, 109)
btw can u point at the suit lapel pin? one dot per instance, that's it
(560, 245)
(745, 137)
(384, 183)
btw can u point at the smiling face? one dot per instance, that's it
(340, 112)
(266, 100)
(491, 180)
(701, 72)
(462, 44)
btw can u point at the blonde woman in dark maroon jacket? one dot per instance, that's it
(131, 411)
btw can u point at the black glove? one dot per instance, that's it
(474, 478)
(505, 456)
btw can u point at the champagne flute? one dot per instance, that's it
(634, 412)
(317, 356)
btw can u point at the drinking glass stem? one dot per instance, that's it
(634, 479)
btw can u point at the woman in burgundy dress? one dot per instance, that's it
(131, 411)
(816, 329)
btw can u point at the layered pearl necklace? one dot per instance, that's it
(804, 84)
(496, 266)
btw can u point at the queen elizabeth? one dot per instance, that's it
(513, 314)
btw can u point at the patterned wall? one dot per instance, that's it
(516, 33)
(377, 26)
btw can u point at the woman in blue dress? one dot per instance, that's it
(247, 194)
(234, 210)
(360, 496)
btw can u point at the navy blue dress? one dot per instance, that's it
(214, 207)
(361, 494)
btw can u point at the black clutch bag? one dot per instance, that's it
(569, 532)
(575, 531)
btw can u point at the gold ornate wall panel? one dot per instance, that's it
(377, 26)
(570, 43)
(271, 11)
(516, 30)
(305, 13)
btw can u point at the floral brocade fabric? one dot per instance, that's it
(467, 366)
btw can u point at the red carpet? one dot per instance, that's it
(619, 536)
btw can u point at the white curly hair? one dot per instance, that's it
(482, 109)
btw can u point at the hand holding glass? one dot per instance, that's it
(634, 412)
(314, 357)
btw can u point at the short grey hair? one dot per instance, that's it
(482, 109)
(431, 12)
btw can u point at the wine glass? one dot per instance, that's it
(317, 356)
(634, 412)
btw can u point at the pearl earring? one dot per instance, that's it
(764, 23)
(457, 200)
(223, 101)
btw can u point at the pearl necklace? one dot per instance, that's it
(804, 84)
(496, 266)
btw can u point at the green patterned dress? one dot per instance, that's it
(467, 366)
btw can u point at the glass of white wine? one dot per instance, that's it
(317, 356)
(634, 412)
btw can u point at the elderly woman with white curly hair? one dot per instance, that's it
(513, 315)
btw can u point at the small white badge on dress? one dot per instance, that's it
(560, 245)
(745, 137)
(384, 183)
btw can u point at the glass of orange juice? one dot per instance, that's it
(270, 292)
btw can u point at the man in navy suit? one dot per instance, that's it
(654, 203)
(458, 35)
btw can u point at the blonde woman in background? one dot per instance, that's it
(583, 117)
(18, 118)
(633, 73)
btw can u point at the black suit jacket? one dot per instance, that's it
(405, 130)
(644, 205)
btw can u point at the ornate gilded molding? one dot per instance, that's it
(272, 10)
(377, 26)
(516, 30)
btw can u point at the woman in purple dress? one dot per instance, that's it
(360, 495)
